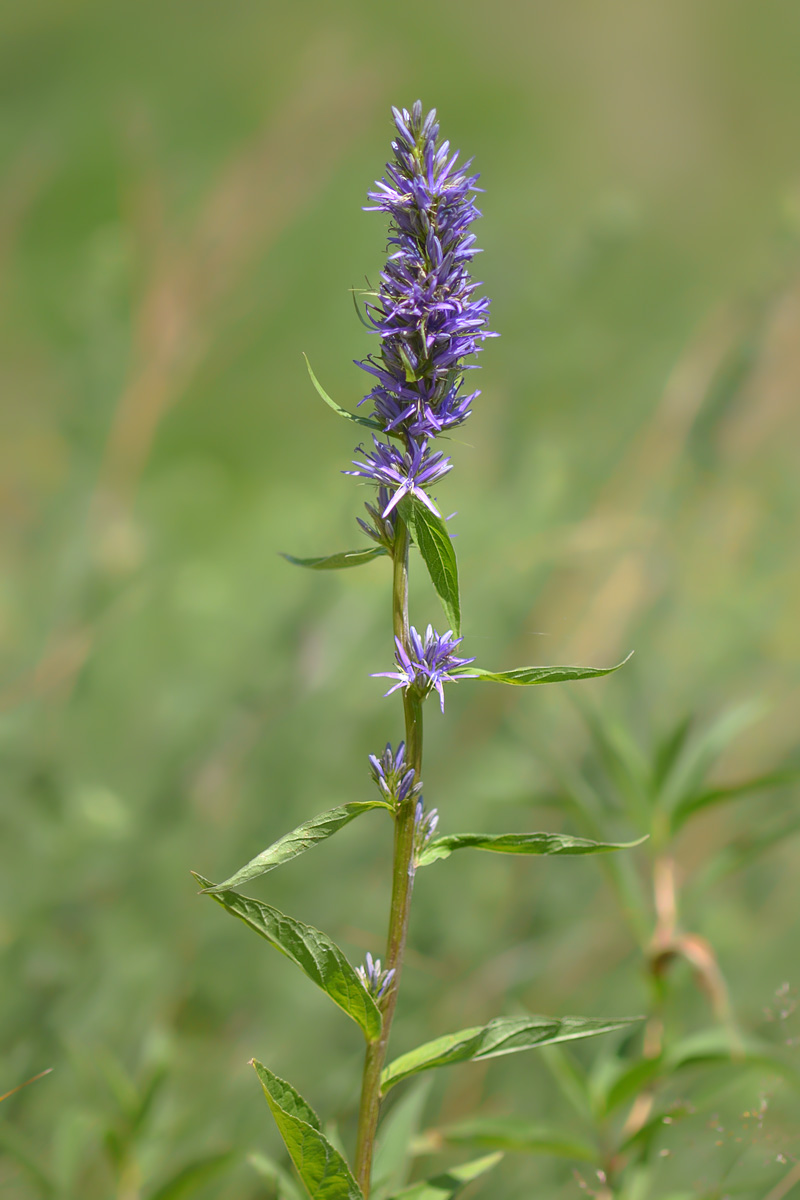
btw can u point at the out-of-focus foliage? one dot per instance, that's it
(180, 192)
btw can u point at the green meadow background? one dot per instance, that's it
(181, 191)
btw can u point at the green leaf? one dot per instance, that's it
(647, 1133)
(323, 826)
(284, 1186)
(186, 1181)
(450, 1183)
(630, 1081)
(744, 851)
(669, 750)
(627, 767)
(693, 766)
(313, 952)
(526, 676)
(570, 1078)
(28, 1155)
(713, 1047)
(518, 843)
(367, 422)
(322, 1169)
(713, 796)
(436, 547)
(503, 1035)
(397, 1131)
(516, 1134)
(338, 562)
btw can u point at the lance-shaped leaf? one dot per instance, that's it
(449, 1183)
(283, 1185)
(436, 547)
(503, 1035)
(339, 562)
(323, 826)
(395, 1148)
(367, 422)
(321, 1167)
(526, 676)
(719, 795)
(517, 1134)
(189, 1179)
(313, 952)
(518, 843)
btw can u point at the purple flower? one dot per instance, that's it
(375, 980)
(429, 665)
(393, 777)
(425, 310)
(406, 471)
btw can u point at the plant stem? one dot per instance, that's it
(402, 882)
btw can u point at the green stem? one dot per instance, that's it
(402, 883)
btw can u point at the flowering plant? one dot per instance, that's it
(430, 323)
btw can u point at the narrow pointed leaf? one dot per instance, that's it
(339, 562)
(323, 826)
(515, 1134)
(313, 952)
(670, 749)
(630, 1082)
(324, 1172)
(284, 1186)
(518, 843)
(700, 755)
(367, 422)
(570, 1078)
(526, 676)
(190, 1178)
(436, 547)
(646, 1135)
(719, 795)
(713, 1048)
(449, 1183)
(503, 1035)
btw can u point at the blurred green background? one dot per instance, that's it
(180, 217)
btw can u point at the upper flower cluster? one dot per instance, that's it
(428, 664)
(425, 310)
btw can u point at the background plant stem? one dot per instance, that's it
(402, 881)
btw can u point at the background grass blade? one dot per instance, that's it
(193, 1176)
(318, 829)
(449, 1183)
(516, 1134)
(313, 952)
(396, 1134)
(503, 1035)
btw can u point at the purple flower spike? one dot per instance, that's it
(429, 665)
(392, 775)
(374, 979)
(405, 471)
(426, 313)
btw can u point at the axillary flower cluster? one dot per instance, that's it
(429, 322)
